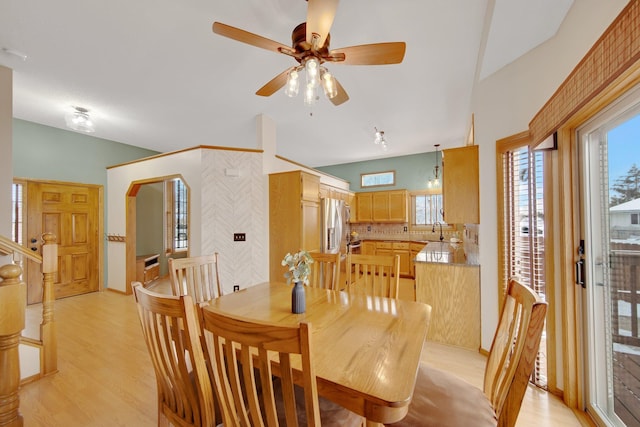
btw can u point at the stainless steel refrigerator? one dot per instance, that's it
(334, 221)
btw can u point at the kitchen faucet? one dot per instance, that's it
(433, 229)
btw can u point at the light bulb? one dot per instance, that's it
(329, 85)
(311, 67)
(293, 84)
(310, 94)
(379, 137)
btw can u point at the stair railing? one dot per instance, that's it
(13, 301)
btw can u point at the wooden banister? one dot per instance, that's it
(8, 247)
(13, 303)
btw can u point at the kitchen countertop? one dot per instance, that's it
(444, 253)
(408, 240)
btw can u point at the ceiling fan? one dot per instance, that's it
(310, 48)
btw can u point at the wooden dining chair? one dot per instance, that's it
(325, 270)
(195, 276)
(375, 275)
(442, 399)
(185, 393)
(240, 354)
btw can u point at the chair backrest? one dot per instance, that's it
(235, 347)
(195, 276)
(513, 351)
(375, 275)
(325, 270)
(185, 394)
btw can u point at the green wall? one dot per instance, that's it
(412, 172)
(44, 152)
(150, 222)
(47, 153)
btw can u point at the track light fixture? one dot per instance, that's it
(380, 139)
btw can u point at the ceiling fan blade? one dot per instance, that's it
(341, 97)
(320, 14)
(274, 84)
(249, 38)
(372, 54)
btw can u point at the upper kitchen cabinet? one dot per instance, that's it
(330, 192)
(398, 206)
(294, 217)
(461, 185)
(382, 206)
(364, 207)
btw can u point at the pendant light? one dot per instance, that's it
(435, 182)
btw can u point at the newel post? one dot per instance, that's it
(13, 302)
(48, 326)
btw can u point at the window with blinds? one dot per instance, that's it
(522, 233)
(426, 209)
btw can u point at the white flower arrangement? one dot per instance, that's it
(299, 267)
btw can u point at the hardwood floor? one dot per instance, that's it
(105, 377)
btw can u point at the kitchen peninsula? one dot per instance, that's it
(448, 279)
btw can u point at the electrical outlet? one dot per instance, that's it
(236, 288)
(405, 228)
(239, 237)
(368, 228)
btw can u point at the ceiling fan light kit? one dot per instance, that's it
(310, 48)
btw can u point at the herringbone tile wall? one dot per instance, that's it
(235, 200)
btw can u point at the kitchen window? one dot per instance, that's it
(426, 209)
(378, 179)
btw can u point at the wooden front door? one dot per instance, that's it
(71, 212)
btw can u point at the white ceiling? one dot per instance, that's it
(154, 75)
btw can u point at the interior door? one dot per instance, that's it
(71, 212)
(610, 209)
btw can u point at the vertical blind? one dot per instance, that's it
(522, 236)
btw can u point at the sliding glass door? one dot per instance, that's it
(609, 269)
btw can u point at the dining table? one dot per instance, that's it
(366, 350)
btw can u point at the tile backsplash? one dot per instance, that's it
(468, 233)
(378, 231)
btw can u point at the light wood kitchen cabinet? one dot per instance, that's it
(382, 206)
(368, 248)
(398, 206)
(402, 249)
(364, 207)
(461, 185)
(384, 248)
(414, 248)
(331, 192)
(453, 292)
(294, 217)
